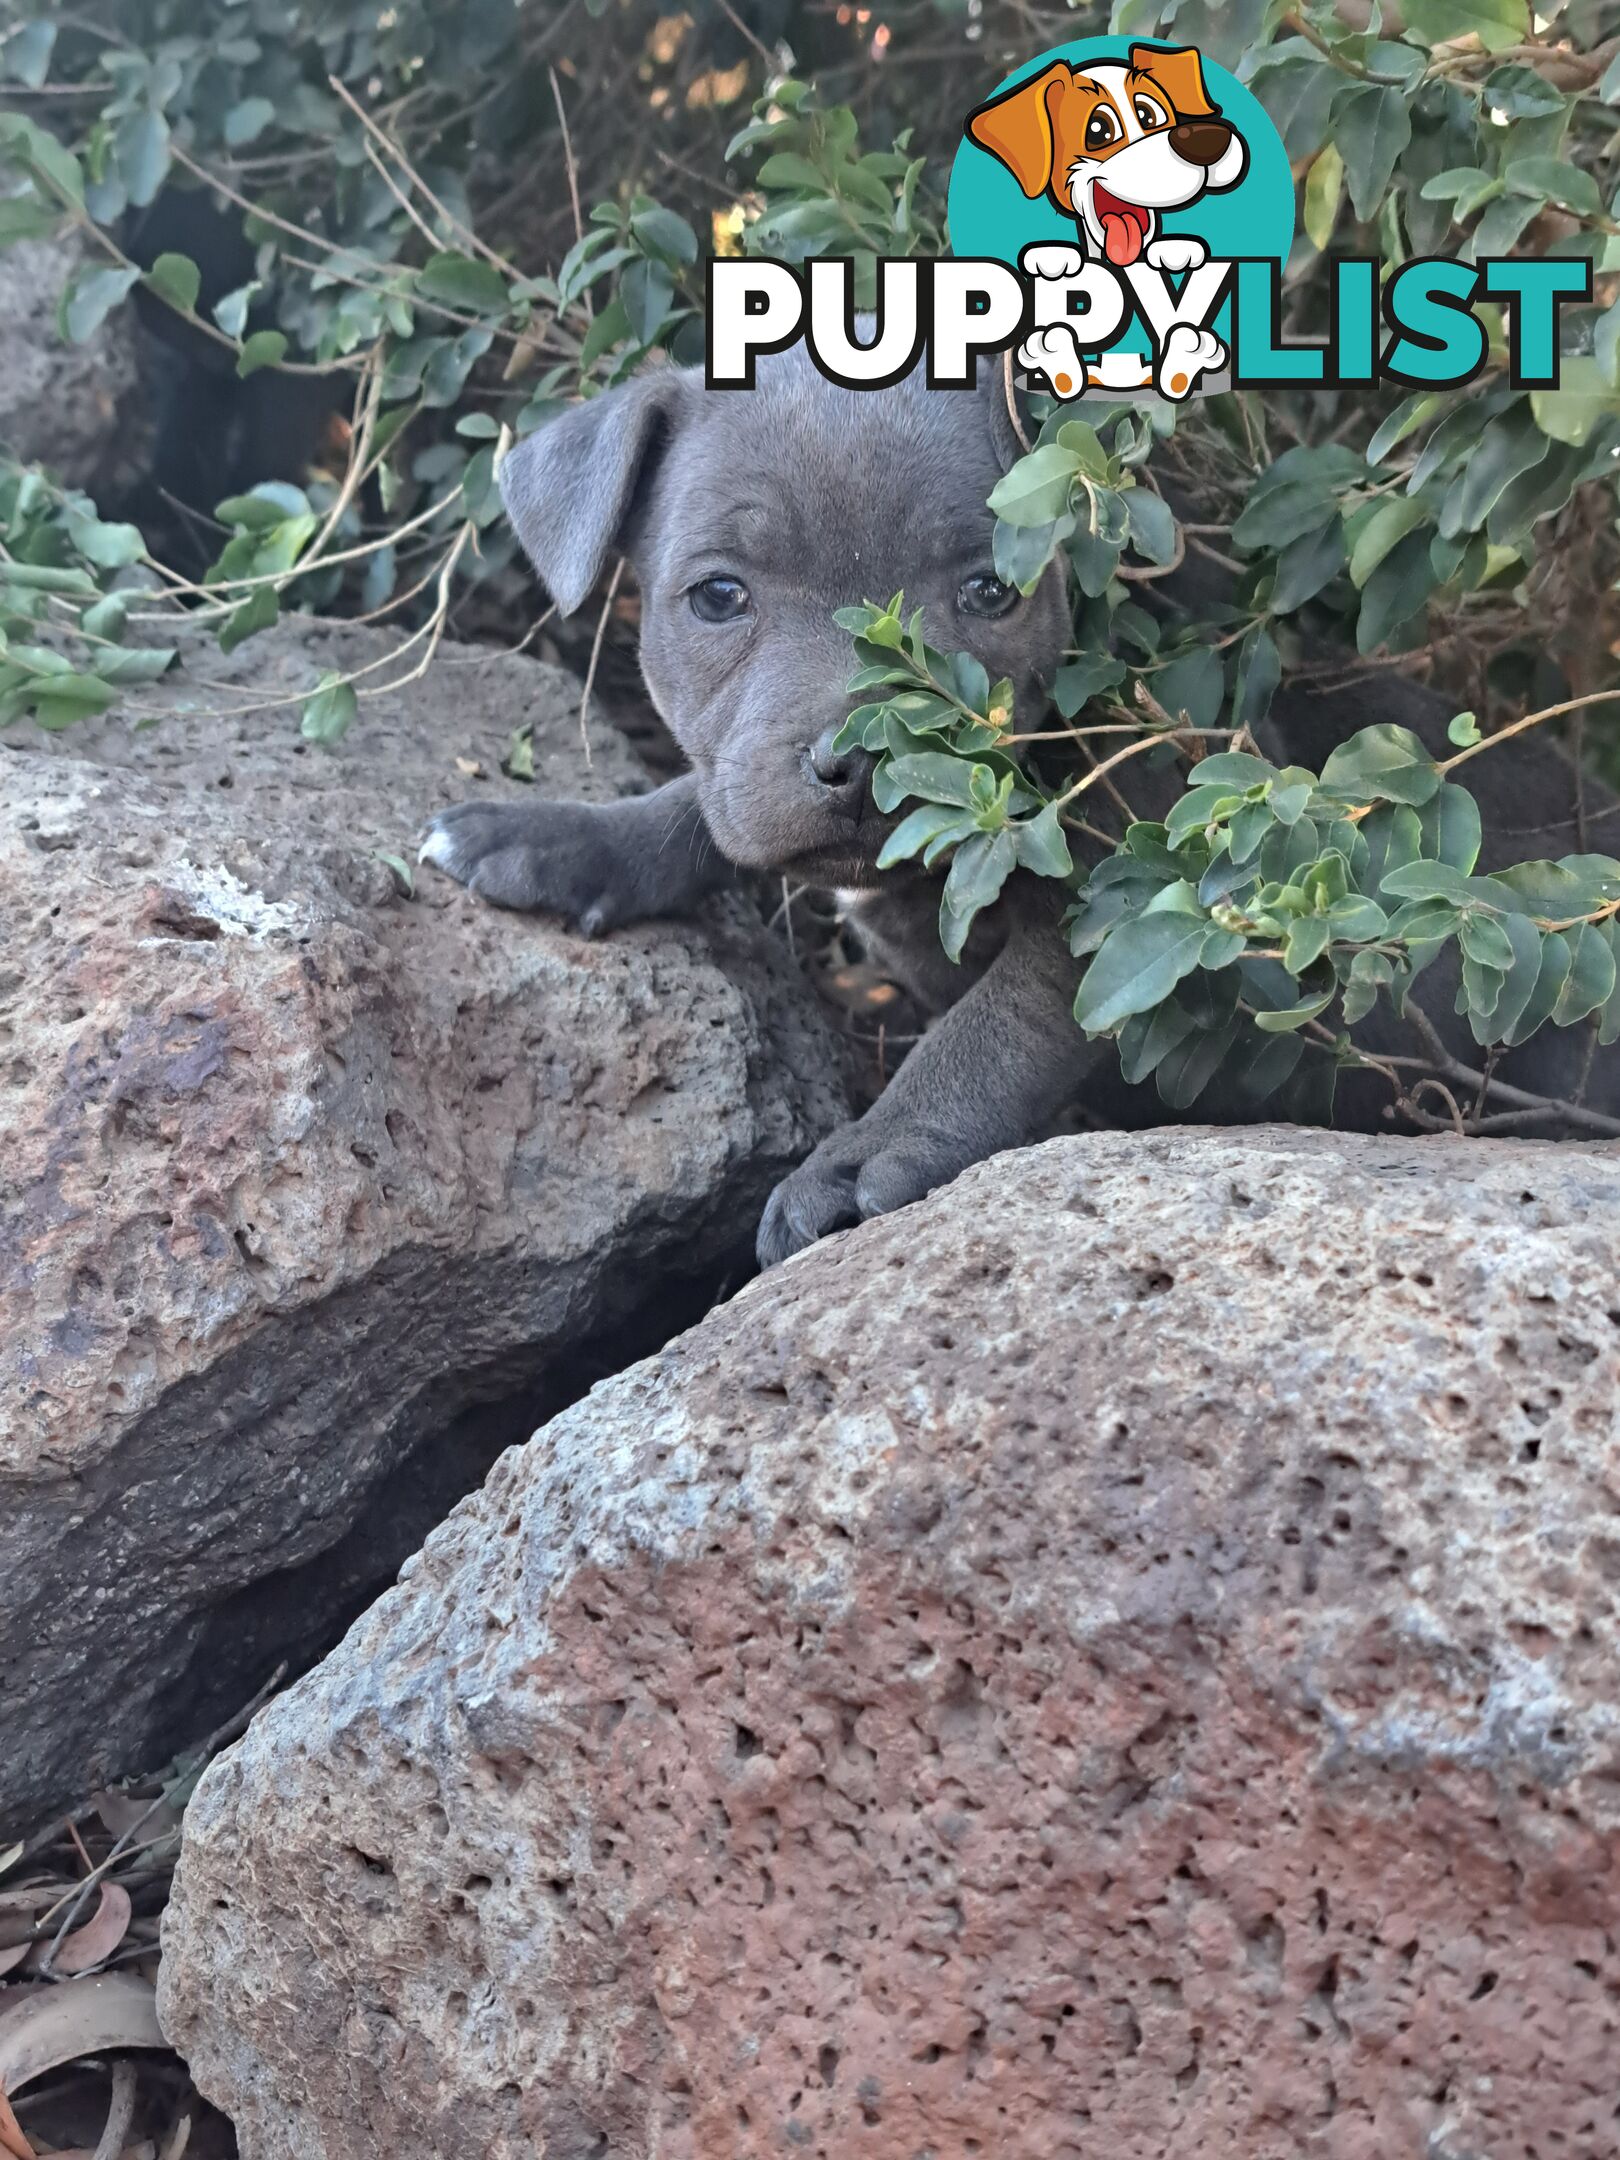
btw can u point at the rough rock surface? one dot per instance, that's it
(1118, 1659)
(312, 1197)
(80, 409)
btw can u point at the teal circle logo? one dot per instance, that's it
(1124, 177)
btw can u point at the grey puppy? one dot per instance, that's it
(749, 516)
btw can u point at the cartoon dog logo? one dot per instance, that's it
(1114, 145)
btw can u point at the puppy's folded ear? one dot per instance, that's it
(1179, 73)
(570, 488)
(1017, 127)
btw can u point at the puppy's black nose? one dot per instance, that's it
(843, 773)
(1200, 142)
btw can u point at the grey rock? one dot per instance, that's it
(1116, 1658)
(81, 410)
(313, 1197)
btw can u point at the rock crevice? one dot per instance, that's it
(312, 1196)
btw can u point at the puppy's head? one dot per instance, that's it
(749, 516)
(1116, 144)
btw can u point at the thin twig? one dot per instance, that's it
(120, 2112)
(596, 654)
(452, 224)
(569, 163)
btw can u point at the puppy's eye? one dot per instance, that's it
(985, 595)
(1101, 129)
(719, 599)
(1148, 113)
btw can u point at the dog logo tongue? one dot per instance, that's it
(1124, 227)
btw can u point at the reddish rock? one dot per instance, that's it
(1116, 1660)
(313, 1197)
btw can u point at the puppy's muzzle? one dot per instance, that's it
(840, 777)
(1200, 142)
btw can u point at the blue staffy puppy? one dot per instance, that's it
(749, 516)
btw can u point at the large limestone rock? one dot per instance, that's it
(1118, 1659)
(313, 1197)
(83, 409)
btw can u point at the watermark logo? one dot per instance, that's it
(1124, 179)
(1121, 216)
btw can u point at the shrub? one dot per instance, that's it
(417, 203)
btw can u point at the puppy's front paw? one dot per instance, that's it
(1055, 354)
(853, 1175)
(1052, 259)
(555, 857)
(1176, 254)
(1188, 353)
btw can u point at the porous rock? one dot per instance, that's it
(82, 410)
(313, 1197)
(1115, 1660)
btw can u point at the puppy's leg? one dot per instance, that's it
(1176, 252)
(991, 1074)
(598, 864)
(1188, 353)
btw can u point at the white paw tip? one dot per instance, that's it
(435, 849)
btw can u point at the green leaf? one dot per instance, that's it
(1079, 681)
(1409, 415)
(1037, 488)
(1551, 180)
(936, 776)
(1523, 972)
(1391, 521)
(1578, 885)
(1292, 1016)
(1394, 838)
(1307, 566)
(1259, 671)
(134, 663)
(1147, 1038)
(61, 695)
(646, 291)
(141, 147)
(247, 121)
(927, 823)
(1138, 964)
(979, 869)
(46, 577)
(91, 297)
(106, 618)
(1152, 524)
(1043, 846)
(1496, 23)
(1324, 185)
(231, 312)
(1591, 979)
(1450, 825)
(457, 281)
(404, 875)
(1553, 973)
(1382, 763)
(328, 713)
(1464, 730)
(1372, 127)
(27, 52)
(1308, 938)
(1485, 941)
(263, 349)
(109, 547)
(1192, 683)
(661, 232)
(177, 279)
(257, 612)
